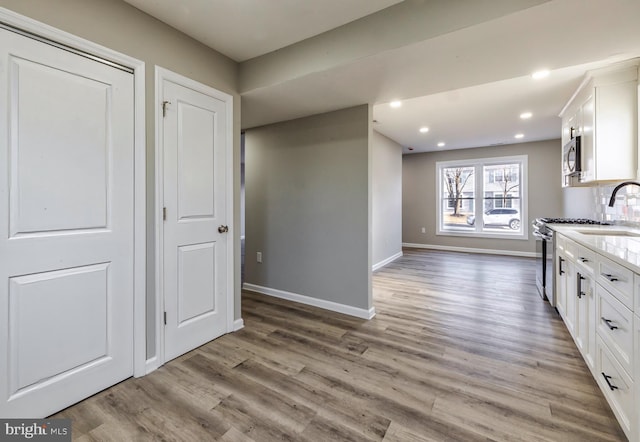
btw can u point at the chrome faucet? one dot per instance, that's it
(612, 200)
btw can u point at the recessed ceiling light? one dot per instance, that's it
(540, 74)
(395, 104)
(424, 130)
(519, 136)
(441, 144)
(526, 115)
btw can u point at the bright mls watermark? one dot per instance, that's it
(58, 430)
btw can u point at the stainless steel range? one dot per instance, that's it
(545, 245)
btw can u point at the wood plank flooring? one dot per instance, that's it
(462, 349)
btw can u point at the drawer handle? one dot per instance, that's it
(579, 279)
(608, 322)
(560, 261)
(583, 259)
(609, 276)
(611, 386)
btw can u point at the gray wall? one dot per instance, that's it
(386, 189)
(308, 206)
(419, 202)
(121, 27)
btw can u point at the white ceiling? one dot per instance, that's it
(243, 29)
(461, 68)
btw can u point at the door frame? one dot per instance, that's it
(162, 74)
(139, 248)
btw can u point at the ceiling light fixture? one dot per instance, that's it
(519, 136)
(441, 144)
(424, 130)
(526, 115)
(540, 74)
(395, 104)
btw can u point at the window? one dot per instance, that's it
(483, 197)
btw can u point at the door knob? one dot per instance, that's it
(223, 229)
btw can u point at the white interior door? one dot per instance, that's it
(195, 243)
(66, 227)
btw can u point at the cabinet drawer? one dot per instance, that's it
(586, 259)
(615, 327)
(617, 279)
(617, 387)
(570, 249)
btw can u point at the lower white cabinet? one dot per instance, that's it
(585, 331)
(596, 298)
(615, 327)
(617, 386)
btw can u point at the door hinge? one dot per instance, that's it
(164, 108)
(164, 214)
(165, 318)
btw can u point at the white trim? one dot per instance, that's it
(477, 164)
(140, 197)
(384, 262)
(470, 250)
(238, 324)
(159, 239)
(151, 365)
(315, 302)
(242, 238)
(162, 74)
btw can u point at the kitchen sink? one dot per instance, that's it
(607, 232)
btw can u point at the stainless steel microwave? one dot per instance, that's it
(571, 159)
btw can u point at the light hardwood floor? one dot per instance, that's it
(462, 349)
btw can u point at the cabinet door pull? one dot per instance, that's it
(608, 322)
(609, 276)
(611, 386)
(583, 259)
(579, 279)
(560, 261)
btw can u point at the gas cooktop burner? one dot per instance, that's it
(573, 221)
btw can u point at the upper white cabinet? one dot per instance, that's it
(604, 113)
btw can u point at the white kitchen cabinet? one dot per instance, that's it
(585, 331)
(599, 301)
(571, 299)
(615, 327)
(604, 112)
(618, 387)
(566, 282)
(561, 282)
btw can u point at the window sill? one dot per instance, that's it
(524, 236)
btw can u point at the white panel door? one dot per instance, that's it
(194, 189)
(66, 227)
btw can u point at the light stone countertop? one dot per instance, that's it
(625, 250)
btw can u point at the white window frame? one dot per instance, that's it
(479, 164)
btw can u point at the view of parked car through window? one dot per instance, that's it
(498, 217)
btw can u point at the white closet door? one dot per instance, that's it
(66, 227)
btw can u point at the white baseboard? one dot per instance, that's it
(302, 299)
(238, 324)
(384, 262)
(470, 250)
